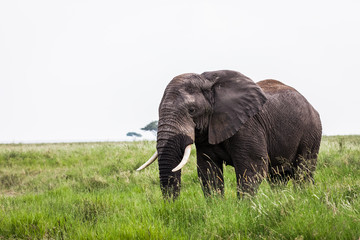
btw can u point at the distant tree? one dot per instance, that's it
(133, 134)
(152, 127)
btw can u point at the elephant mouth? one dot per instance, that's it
(173, 154)
(184, 160)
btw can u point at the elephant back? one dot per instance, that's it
(272, 86)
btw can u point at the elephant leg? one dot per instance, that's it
(250, 159)
(210, 172)
(280, 174)
(305, 164)
(249, 177)
(279, 177)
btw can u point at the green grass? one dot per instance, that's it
(92, 191)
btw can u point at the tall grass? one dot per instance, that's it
(92, 191)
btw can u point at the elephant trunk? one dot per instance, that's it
(170, 147)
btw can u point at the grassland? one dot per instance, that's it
(92, 191)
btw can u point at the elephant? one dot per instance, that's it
(265, 130)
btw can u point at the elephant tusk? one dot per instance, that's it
(150, 161)
(184, 160)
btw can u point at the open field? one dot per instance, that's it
(92, 191)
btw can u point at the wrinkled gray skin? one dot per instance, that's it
(264, 130)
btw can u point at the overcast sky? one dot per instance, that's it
(95, 70)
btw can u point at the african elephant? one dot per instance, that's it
(264, 130)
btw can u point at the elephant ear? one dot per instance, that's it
(235, 98)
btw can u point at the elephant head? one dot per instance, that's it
(211, 106)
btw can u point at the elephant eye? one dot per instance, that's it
(191, 110)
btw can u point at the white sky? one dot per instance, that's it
(95, 70)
